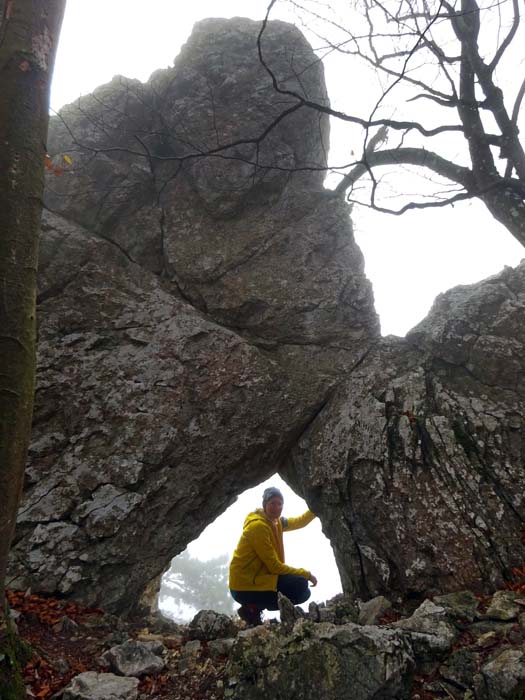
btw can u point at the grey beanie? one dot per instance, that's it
(270, 492)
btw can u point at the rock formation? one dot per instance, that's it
(459, 646)
(452, 648)
(190, 328)
(416, 465)
(205, 321)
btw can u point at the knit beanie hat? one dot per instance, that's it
(271, 492)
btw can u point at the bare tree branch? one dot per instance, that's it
(409, 156)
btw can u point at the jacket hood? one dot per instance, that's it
(255, 515)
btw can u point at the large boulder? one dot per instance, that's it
(185, 339)
(320, 660)
(416, 464)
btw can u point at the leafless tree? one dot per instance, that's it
(28, 36)
(452, 71)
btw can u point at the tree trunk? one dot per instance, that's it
(29, 32)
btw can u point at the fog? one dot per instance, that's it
(307, 548)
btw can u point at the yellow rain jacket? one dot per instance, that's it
(255, 564)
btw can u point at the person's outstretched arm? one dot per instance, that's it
(296, 523)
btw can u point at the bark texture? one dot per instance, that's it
(28, 37)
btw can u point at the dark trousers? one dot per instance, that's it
(293, 587)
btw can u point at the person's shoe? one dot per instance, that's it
(251, 614)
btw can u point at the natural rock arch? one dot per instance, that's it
(205, 322)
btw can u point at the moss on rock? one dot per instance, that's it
(14, 653)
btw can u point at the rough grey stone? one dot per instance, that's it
(429, 630)
(191, 648)
(338, 610)
(415, 464)
(461, 605)
(101, 686)
(220, 647)
(503, 677)
(156, 646)
(208, 624)
(503, 606)
(133, 658)
(371, 610)
(320, 660)
(289, 613)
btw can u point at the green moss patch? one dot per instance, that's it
(13, 655)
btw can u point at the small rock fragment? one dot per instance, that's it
(133, 659)
(101, 686)
(371, 610)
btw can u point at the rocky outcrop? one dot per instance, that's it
(190, 327)
(450, 647)
(321, 660)
(416, 465)
(435, 652)
(205, 321)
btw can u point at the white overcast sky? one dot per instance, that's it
(409, 259)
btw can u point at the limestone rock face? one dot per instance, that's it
(416, 464)
(321, 660)
(205, 321)
(194, 313)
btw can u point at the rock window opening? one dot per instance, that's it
(198, 577)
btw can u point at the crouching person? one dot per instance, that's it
(257, 568)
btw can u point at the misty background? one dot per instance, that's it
(307, 548)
